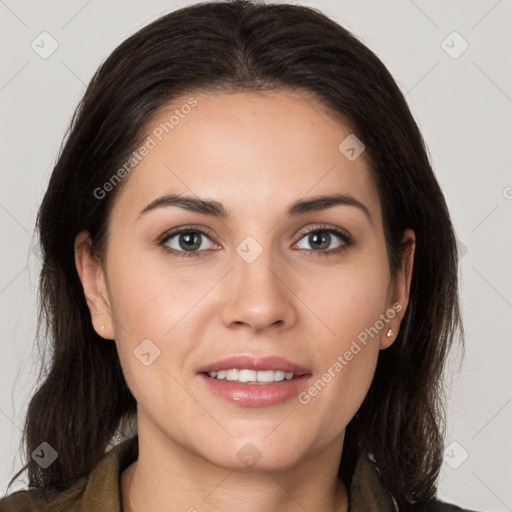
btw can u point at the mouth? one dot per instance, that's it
(254, 382)
(252, 377)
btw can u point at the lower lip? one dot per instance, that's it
(255, 395)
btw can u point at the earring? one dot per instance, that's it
(102, 327)
(389, 333)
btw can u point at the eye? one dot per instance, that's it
(185, 241)
(189, 241)
(321, 237)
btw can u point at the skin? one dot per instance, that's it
(256, 154)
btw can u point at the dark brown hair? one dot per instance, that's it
(242, 46)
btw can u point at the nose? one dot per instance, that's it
(258, 295)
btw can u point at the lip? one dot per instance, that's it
(255, 363)
(255, 395)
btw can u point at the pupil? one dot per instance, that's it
(191, 241)
(317, 240)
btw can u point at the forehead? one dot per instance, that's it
(253, 152)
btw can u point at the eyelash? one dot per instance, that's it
(323, 228)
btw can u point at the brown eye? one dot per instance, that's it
(185, 242)
(322, 239)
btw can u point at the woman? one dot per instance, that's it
(247, 252)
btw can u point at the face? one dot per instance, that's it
(283, 290)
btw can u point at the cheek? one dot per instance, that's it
(149, 299)
(350, 305)
(159, 309)
(347, 299)
(341, 384)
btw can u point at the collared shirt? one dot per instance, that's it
(101, 490)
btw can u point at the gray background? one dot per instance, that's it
(462, 102)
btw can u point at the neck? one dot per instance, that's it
(194, 485)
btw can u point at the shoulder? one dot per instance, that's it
(64, 497)
(23, 501)
(368, 493)
(97, 491)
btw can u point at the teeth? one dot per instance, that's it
(265, 376)
(247, 375)
(252, 376)
(231, 374)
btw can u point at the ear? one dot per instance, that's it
(400, 290)
(91, 274)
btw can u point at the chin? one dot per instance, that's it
(257, 455)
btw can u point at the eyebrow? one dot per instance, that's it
(216, 209)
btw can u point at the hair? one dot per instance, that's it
(244, 46)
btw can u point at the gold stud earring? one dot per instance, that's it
(389, 333)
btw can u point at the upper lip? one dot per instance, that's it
(255, 363)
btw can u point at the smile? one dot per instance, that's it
(252, 376)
